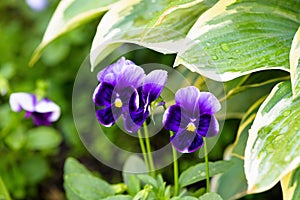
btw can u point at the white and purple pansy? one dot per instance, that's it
(43, 112)
(124, 90)
(191, 118)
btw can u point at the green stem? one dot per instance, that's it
(143, 149)
(206, 165)
(175, 169)
(148, 147)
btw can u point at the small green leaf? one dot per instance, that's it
(16, 139)
(184, 198)
(273, 145)
(295, 65)
(134, 165)
(68, 15)
(197, 173)
(72, 166)
(235, 38)
(290, 185)
(3, 191)
(119, 197)
(210, 196)
(42, 138)
(146, 179)
(134, 185)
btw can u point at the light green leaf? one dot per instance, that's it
(72, 166)
(295, 65)
(68, 15)
(3, 191)
(273, 145)
(87, 187)
(42, 138)
(210, 196)
(159, 25)
(197, 173)
(146, 179)
(290, 185)
(234, 38)
(184, 198)
(16, 139)
(119, 197)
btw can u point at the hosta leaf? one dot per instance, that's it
(295, 65)
(68, 15)
(233, 184)
(159, 25)
(234, 38)
(197, 173)
(290, 185)
(273, 145)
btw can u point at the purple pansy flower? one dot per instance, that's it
(125, 90)
(191, 118)
(43, 112)
(150, 90)
(118, 83)
(37, 5)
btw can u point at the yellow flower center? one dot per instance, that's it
(191, 127)
(118, 103)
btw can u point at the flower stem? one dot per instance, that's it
(148, 147)
(206, 165)
(143, 149)
(175, 169)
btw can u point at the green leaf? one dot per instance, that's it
(290, 185)
(159, 25)
(72, 166)
(273, 145)
(35, 168)
(210, 196)
(184, 198)
(68, 15)
(119, 197)
(197, 173)
(16, 139)
(234, 38)
(42, 138)
(295, 65)
(87, 187)
(3, 191)
(134, 185)
(233, 184)
(146, 179)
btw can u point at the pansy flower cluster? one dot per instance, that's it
(125, 90)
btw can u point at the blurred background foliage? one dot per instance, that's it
(31, 158)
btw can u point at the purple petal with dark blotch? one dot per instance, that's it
(204, 122)
(187, 98)
(183, 139)
(131, 76)
(196, 144)
(41, 119)
(103, 94)
(213, 127)
(208, 103)
(107, 117)
(172, 118)
(48, 106)
(135, 120)
(154, 84)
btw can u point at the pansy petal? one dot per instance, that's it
(111, 72)
(47, 106)
(22, 101)
(103, 94)
(182, 140)
(196, 144)
(208, 103)
(203, 125)
(132, 75)
(41, 119)
(213, 127)
(134, 121)
(172, 118)
(187, 98)
(106, 117)
(154, 84)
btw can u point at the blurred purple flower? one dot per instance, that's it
(191, 118)
(43, 112)
(37, 5)
(125, 90)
